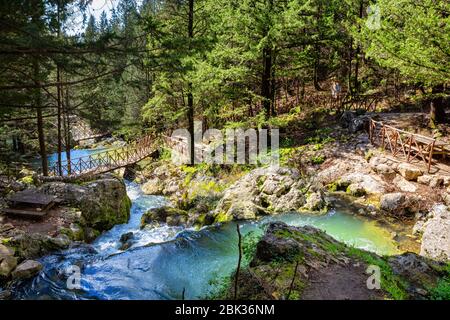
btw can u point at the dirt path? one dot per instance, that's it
(337, 282)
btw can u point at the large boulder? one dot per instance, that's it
(27, 269)
(409, 172)
(362, 184)
(103, 203)
(315, 202)
(404, 185)
(153, 186)
(394, 203)
(169, 215)
(7, 261)
(35, 245)
(436, 234)
(353, 122)
(262, 191)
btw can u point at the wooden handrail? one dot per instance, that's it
(414, 146)
(107, 160)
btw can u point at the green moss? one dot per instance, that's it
(27, 180)
(394, 285)
(333, 187)
(358, 192)
(442, 290)
(222, 217)
(318, 159)
(369, 154)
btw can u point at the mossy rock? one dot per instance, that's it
(171, 216)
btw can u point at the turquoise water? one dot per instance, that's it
(164, 260)
(74, 154)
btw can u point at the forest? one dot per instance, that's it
(359, 91)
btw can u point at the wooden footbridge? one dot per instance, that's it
(105, 161)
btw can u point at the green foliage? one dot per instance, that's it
(412, 37)
(249, 245)
(442, 290)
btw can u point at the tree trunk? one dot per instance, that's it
(67, 131)
(190, 96)
(358, 53)
(40, 123)
(58, 76)
(316, 70)
(58, 80)
(350, 58)
(265, 82)
(273, 89)
(437, 107)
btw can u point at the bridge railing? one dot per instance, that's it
(407, 145)
(105, 161)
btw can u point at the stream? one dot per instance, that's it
(165, 260)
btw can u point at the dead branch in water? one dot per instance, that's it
(236, 277)
(293, 280)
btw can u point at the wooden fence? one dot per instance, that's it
(406, 145)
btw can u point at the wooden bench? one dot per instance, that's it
(30, 203)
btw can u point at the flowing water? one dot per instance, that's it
(165, 261)
(74, 154)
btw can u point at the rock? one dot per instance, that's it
(446, 180)
(5, 251)
(420, 272)
(315, 202)
(356, 190)
(436, 235)
(103, 203)
(425, 179)
(315, 259)
(393, 202)
(436, 182)
(7, 262)
(409, 172)
(291, 201)
(34, 245)
(169, 215)
(346, 119)
(153, 186)
(5, 294)
(272, 246)
(385, 170)
(260, 192)
(76, 232)
(419, 227)
(27, 269)
(126, 237)
(433, 181)
(90, 234)
(353, 122)
(404, 185)
(127, 240)
(367, 183)
(446, 198)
